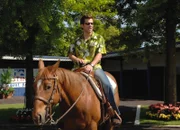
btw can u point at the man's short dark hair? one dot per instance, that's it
(85, 17)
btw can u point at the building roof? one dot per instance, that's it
(61, 58)
(121, 53)
(36, 58)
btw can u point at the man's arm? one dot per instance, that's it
(76, 59)
(96, 59)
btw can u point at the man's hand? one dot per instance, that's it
(88, 68)
(81, 62)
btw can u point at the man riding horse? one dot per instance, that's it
(87, 51)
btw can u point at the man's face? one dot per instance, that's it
(87, 26)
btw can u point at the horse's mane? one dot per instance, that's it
(65, 76)
(69, 77)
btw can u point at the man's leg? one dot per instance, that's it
(100, 75)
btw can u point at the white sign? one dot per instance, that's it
(19, 78)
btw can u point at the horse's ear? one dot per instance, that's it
(41, 64)
(56, 65)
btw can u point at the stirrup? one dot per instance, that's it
(118, 116)
(116, 120)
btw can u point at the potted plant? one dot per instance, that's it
(5, 90)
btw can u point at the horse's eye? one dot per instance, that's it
(48, 87)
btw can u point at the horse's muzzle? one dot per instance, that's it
(39, 119)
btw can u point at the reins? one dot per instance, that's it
(70, 107)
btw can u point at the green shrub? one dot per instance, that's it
(6, 76)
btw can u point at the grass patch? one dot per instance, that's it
(145, 120)
(8, 110)
(6, 106)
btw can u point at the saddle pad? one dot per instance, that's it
(113, 84)
(96, 88)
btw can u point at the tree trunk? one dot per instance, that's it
(33, 30)
(29, 81)
(170, 72)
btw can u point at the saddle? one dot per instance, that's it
(106, 109)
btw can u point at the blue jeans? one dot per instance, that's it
(100, 75)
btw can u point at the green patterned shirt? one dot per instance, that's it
(87, 50)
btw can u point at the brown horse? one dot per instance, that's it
(78, 103)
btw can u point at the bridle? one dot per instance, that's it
(50, 101)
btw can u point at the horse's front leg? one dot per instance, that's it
(75, 124)
(93, 126)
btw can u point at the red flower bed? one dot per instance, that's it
(162, 111)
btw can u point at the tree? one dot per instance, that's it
(47, 27)
(26, 26)
(56, 23)
(20, 18)
(171, 18)
(156, 22)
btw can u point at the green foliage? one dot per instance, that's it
(53, 24)
(24, 20)
(6, 76)
(147, 20)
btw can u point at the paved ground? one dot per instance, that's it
(15, 99)
(127, 108)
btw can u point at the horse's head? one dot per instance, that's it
(47, 93)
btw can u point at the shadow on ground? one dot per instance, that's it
(128, 115)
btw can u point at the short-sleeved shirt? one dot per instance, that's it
(87, 50)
